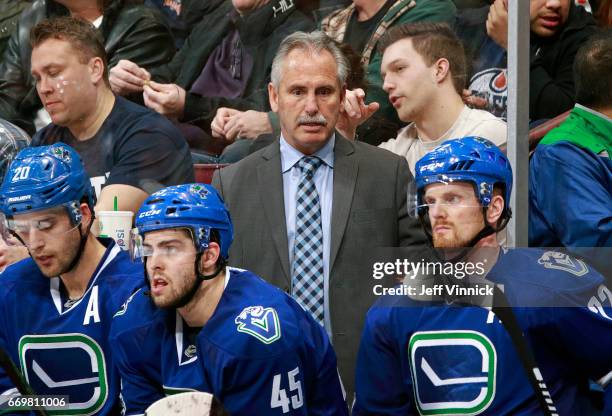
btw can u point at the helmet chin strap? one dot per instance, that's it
(463, 252)
(200, 278)
(187, 297)
(486, 231)
(214, 274)
(77, 257)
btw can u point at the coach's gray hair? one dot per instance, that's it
(315, 42)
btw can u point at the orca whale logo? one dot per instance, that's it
(259, 322)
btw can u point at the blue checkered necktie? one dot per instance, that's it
(307, 279)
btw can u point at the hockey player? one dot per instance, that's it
(203, 326)
(436, 355)
(56, 306)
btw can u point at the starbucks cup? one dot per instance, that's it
(116, 225)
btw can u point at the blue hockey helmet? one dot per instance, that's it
(196, 207)
(469, 159)
(45, 177)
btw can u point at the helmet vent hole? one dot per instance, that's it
(176, 201)
(170, 210)
(155, 201)
(462, 165)
(183, 208)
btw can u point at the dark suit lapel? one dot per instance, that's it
(270, 190)
(345, 177)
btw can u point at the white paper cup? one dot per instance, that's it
(116, 225)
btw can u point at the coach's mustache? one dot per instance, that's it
(318, 119)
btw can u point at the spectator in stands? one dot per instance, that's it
(127, 149)
(183, 15)
(360, 25)
(325, 7)
(558, 28)
(424, 73)
(570, 172)
(225, 62)
(488, 81)
(305, 206)
(10, 10)
(12, 140)
(130, 31)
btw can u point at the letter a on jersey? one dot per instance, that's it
(92, 307)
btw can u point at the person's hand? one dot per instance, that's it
(230, 124)
(473, 101)
(126, 77)
(12, 252)
(247, 125)
(166, 99)
(353, 112)
(497, 23)
(217, 127)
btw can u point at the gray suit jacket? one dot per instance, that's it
(368, 211)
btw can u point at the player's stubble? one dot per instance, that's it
(62, 256)
(180, 289)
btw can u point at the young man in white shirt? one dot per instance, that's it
(424, 72)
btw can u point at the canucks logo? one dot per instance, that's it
(454, 372)
(66, 364)
(259, 322)
(562, 261)
(199, 190)
(190, 351)
(62, 153)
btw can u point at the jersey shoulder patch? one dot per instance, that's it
(561, 261)
(261, 323)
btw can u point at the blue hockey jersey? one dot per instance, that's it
(440, 359)
(153, 354)
(62, 347)
(260, 354)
